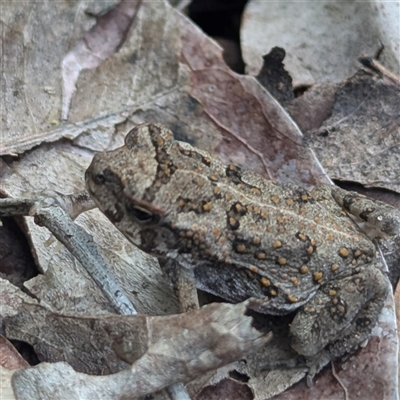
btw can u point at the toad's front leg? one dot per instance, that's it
(339, 317)
(378, 215)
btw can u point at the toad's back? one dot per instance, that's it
(246, 236)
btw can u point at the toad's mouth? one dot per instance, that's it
(143, 205)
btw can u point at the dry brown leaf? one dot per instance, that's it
(353, 127)
(36, 36)
(12, 298)
(162, 350)
(360, 142)
(167, 71)
(80, 342)
(96, 46)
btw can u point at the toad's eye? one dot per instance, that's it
(143, 216)
(99, 179)
(107, 176)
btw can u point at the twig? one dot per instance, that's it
(346, 393)
(377, 67)
(82, 246)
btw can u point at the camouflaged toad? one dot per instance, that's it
(249, 237)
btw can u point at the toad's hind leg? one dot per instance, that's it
(339, 317)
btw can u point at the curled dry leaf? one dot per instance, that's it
(352, 126)
(68, 341)
(162, 350)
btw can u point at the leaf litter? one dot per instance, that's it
(169, 71)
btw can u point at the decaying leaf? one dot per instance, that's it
(366, 119)
(162, 350)
(166, 71)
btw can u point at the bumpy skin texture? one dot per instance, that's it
(248, 237)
